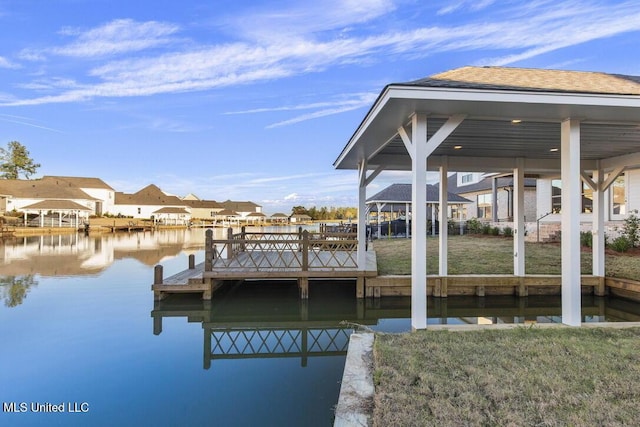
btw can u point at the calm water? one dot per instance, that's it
(79, 327)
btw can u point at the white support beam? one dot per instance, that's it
(571, 208)
(444, 229)
(408, 144)
(374, 174)
(379, 207)
(445, 130)
(443, 133)
(611, 178)
(518, 216)
(419, 222)
(587, 180)
(597, 245)
(362, 207)
(407, 206)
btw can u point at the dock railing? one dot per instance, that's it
(281, 251)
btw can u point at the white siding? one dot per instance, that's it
(633, 190)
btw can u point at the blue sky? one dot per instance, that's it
(230, 101)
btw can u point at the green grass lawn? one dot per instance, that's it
(518, 377)
(481, 254)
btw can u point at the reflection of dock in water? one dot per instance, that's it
(271, 323)
(257, 323)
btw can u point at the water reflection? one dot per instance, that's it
(79, 254)
(267, 320)
(14, 289)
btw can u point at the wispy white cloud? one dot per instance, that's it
(472, 5)
(522, 32)
(5, 63)
(344, 104)
(26, 121)
(307, 19)
(117, 37)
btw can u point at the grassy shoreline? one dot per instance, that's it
(494, 255)
(521, 376)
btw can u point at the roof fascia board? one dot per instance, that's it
(375, 109)
(495, 95)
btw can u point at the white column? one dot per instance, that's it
(362, 227)
(379, 207)
(442, 217)
(518, 218)
(419, 222)
(406, 220)
(597, 245)
(571, 207)
(433, 219)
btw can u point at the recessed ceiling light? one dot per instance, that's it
(457, 147)
(553, 150)
(516, 121)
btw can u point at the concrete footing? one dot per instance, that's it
(356, 392)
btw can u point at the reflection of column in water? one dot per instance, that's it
(206, 363)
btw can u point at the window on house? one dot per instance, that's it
(556, 197)
(467, 178)
(618, 196)
(484, 205)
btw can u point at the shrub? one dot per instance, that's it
(486, 229)
(586, 239)
(474, 226)
(631, 228)
(508, 232)
(621, 244)
(495, 231)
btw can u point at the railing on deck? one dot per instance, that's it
(282, 251)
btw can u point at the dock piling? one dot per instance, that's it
(192, 262)
(157, 275)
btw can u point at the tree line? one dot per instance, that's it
(327, 213)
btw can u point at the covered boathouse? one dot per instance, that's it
(581, 126)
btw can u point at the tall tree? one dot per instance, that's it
(15, 160)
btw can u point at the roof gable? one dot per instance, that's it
(150, 195)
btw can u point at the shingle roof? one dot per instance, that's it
(240, 206)
(227, 212)
(527, 79)
(401, 193)
(149, 195)
(202, 204)
(171, 210)
(45, 188)
(485, 184)
(82, 182)
(57, 205)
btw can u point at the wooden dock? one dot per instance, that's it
(305, 256)
(301, 256)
